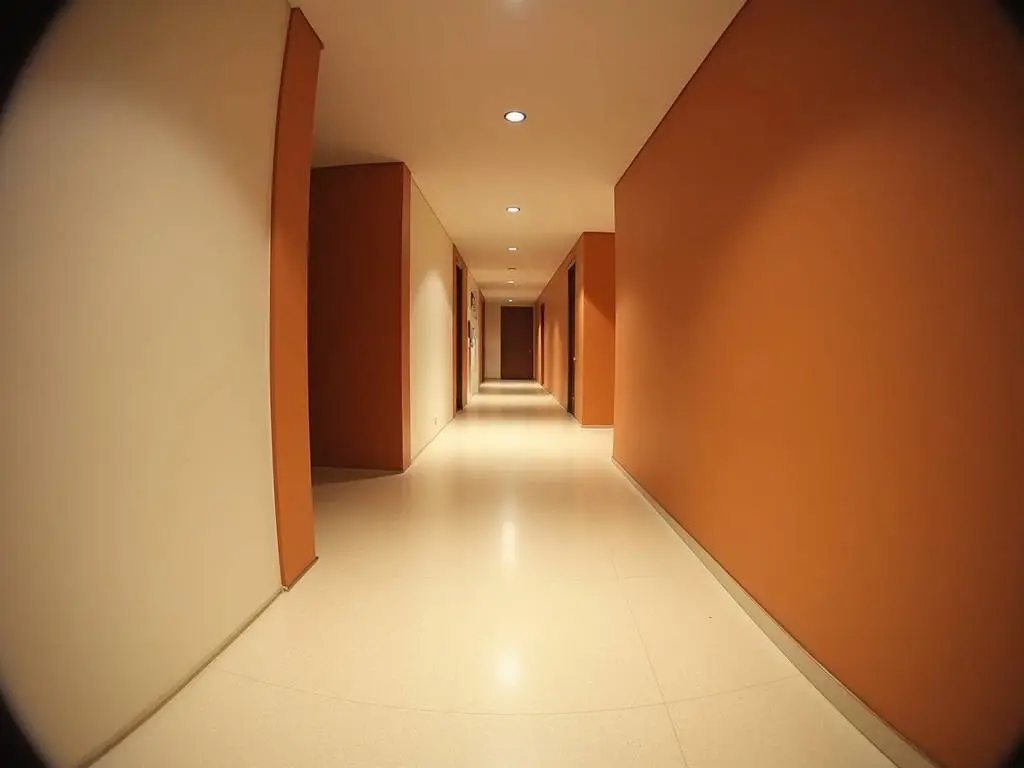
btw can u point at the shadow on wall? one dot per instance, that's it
(20, 30)
(430, 353)
(152, 36)
(21, 26)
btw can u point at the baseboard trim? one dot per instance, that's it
(128, 730)
(878, 731)
(289, 587)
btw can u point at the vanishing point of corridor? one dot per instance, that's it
(511, 600)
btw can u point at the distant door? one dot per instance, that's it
(571, 345)
(460, 339)
(517, 343)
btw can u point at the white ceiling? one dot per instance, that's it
(427, 82)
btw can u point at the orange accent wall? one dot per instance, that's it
(597, 329)
(289, 403)
(594, 255)
(359, 316)
(553, 372)
(820, 345)
(482, 334)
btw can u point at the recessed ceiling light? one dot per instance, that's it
(510, 301)
(512, 249)
(515, 116)
(513, 209)
(510, 282)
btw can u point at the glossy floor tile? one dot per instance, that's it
(784, 724)
(509, 601)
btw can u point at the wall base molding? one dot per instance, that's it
(288, 587)
(879, 732)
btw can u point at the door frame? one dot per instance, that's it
(570, 346)
(458, 335)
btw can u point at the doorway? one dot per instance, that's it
(571, 342)
(517, 343)
(460, 314)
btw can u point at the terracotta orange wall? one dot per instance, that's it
(820, 345)
(289, 228)
(555, 376)
(482, 335)
(597, 329)
(594, 254)
(359, 316)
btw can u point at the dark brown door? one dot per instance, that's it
(517, 343)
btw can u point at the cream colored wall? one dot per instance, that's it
(492, 343)
(431, 396)
(473, 312)
(136, 501)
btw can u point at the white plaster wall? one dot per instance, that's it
(137, 502)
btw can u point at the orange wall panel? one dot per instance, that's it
(555, 346)
(820, 345)
(289, 386)
(359, 316)
(597, 329)
(594, 256)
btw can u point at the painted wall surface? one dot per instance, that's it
(555, 344)
(594, 256)
(492, 342)
(137, 502)
(475, 359)
(820, 345)
(597, 330)
(359, 316)
(430, 340)
(289, 245)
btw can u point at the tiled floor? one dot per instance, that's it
(509, 601)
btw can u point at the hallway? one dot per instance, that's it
(510, 600)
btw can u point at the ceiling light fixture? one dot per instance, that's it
(512, 249)
(510, 282)
(511, 269)
(515, 116)
(513, 209)
(510, 301)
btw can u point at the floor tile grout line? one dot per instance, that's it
(675, 732)
(740, 689)
(657, 682)
(597, 710)
(427, 711)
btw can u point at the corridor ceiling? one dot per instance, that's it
(427, 82)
